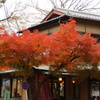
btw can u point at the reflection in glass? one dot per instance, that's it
(62, 89)
(5, 86)
(95, 89)
(57, 86)
(19, 87)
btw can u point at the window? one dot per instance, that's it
(5, 86)
(49, 33)
(76, 91)
(95, 90)
(14, 86)
(76, 87)
(93, 35)
(58, 89)
(96, 36)
(19, 87)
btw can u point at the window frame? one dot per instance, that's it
(11, 86)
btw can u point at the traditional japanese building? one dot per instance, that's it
(65, 87)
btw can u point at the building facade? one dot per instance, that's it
(67, 87)
(89, 89)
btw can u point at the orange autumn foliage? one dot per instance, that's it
(22, 52)
(65, 48)
(72, 50)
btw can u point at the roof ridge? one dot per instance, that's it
(76, 11)
(78, 14)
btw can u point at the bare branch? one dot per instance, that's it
(18, 15)
(92, 8)
(71, 4)
(53, 3)
(5, 18)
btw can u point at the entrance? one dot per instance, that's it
(58, 88)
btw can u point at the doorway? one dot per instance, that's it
(58, 88)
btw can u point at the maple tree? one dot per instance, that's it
(73, 51)
(22, 52)
(65, 49)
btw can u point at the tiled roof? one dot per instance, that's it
(79, 14)
(70, 13)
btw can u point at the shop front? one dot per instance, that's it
(10, 87)
(65, 87)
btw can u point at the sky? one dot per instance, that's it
(29, 12)
(10, 5)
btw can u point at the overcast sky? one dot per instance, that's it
(10, 5)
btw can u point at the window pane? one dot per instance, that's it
(14, 90)
(55, 90)
(19, 87)
(57, 87)
(5, 86)
(95, 89)
(62, 89)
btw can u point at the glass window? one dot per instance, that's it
(19, 87)
(62, 90)
(5, 86)
(16, 87)
(57, 87)
(95, 90)
(76, 90)
(55, 90)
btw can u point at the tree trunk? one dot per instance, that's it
(30, 91)
(40, 85)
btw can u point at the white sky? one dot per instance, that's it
(10, 5)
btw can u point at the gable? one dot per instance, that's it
(89, 22)
(52, 14)
(56, 12)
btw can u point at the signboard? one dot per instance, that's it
(6, 95)
(25, 85)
